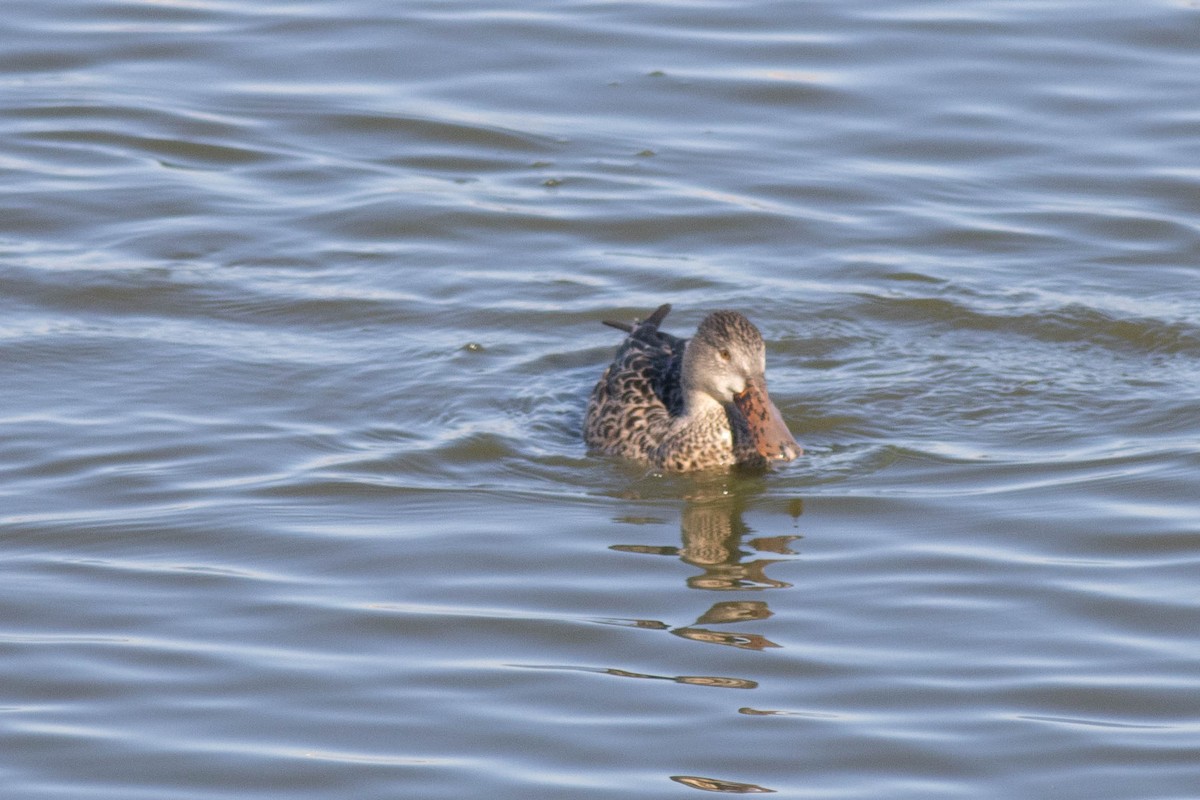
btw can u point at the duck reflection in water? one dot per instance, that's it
(713, 532)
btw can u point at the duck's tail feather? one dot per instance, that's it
(654, 320)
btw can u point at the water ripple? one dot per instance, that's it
(301, 307)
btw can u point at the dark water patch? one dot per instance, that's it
(405, 133)
(765, 88)
(78, 121)
(139, 291)
(174, 153)
(35, 60)
(1152, 336)
(1069, 323)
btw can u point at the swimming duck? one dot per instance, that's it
(688, 404)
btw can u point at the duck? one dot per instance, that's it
(682, 405)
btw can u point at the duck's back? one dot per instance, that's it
(632, 405)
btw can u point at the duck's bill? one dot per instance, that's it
(770, 433)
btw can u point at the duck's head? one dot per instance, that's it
(727, 361)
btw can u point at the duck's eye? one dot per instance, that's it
(724, 354)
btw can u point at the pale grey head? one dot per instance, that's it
(725, 362)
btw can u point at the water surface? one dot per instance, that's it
(299, 309)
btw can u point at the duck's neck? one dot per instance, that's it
(701, 405)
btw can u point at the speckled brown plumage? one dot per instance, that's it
(676, 404)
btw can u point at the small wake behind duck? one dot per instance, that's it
(688, 404)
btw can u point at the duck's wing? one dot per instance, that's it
(655, 358)
(632, 405)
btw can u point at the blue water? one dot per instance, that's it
(300, 306)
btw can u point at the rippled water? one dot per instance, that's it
(299, 309)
